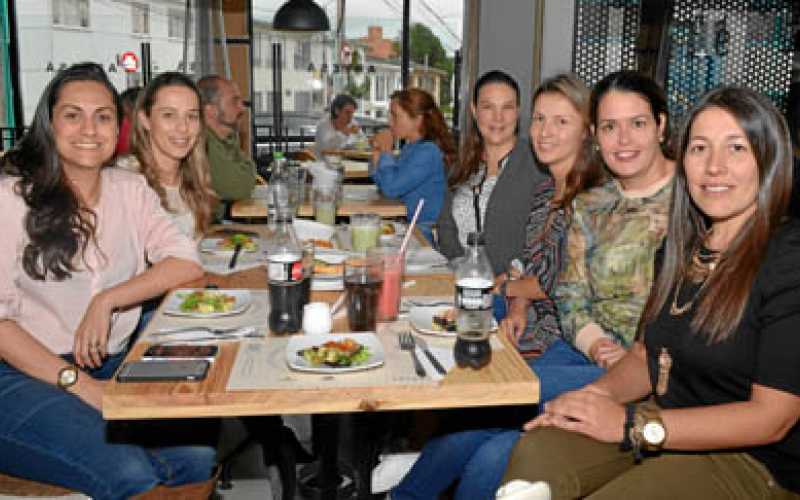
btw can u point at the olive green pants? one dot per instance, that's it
(576, 467)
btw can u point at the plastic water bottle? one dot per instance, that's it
(473, 299)
(278, 191)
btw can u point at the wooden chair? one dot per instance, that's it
(15, 486)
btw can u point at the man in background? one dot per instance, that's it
(233, 172)
(337, 130)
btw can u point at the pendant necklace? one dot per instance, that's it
(664, 366)
(703, 264)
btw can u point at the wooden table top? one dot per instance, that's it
(506, 380)
(385, 207)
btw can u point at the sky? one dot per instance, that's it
(387, 13)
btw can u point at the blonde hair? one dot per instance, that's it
(195, 175)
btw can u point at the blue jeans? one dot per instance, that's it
(50, 435)
(479, 458)
(562, 368)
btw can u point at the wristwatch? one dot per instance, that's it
(649, 426)
(67, 377)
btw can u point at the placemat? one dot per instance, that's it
(261, 364)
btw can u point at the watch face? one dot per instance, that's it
(67, 377)
(654, 433)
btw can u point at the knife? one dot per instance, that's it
(236, 251)
(428, 354)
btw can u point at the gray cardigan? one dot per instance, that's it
(506, 213)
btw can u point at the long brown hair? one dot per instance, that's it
(473, 148)
(586, 172)
(416, 102)
(727, 290)
(195, 189)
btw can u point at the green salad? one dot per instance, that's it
(336, 354)
(207, 302)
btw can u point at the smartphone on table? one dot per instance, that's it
(164, 370)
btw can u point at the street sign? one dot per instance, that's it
(129, 62)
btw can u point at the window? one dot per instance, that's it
(258, 102)
(176, 23)
(302, 55)
(302, 101)
(140, 14)
(380, 87)
(71, 13)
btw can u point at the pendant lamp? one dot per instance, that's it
(300, 15)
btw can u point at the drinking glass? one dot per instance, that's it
(325, 204)
(391, 260)
(363, 277)
(364, 231)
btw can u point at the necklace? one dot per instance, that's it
(703, 264)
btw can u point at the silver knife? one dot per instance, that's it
(435, 362)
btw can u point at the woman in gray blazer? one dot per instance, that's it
(490, 190)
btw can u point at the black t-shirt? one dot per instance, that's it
(764, 349)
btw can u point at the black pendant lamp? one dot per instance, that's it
(300, 15)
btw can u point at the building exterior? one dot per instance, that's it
(56, 33)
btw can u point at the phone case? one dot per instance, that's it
(180, 352)
(164, 371)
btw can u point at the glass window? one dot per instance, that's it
(380, 87)
(71, 13)
(176, 22)
(302, 55)
(140, 14)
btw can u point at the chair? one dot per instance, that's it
(16, 486)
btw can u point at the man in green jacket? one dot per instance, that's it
(233, 172)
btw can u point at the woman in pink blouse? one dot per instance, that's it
(72, 275)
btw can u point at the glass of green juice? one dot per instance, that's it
(364, 231)
(325, 204)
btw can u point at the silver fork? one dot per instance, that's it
(209, 329)
(407, 344)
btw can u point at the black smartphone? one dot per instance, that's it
(181, 351)
(163, 371)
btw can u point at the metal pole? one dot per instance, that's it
(405, 63)
(277, 93)
(456, 87)
(146, 69)
(224, 38)
(14, 66)
(186, 22)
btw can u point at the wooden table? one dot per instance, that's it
(385, 207)
(507, 380)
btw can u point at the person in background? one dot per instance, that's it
(233, 172)
(128, 99)
(717, 350)
(420, 170)
(73, 271)
(561, 140)
(169, 149)
(491, 188)
(338, 129)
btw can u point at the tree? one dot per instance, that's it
(425, 47)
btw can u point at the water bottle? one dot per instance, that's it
(473, 300)
(277, 192)
(286, 275)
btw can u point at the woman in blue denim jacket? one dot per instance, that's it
(420, 172)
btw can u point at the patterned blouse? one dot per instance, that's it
(609, 270)
(464, 200)
(546, 233)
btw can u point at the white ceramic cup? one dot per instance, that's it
(317, 318)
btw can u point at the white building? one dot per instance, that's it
(57, 33)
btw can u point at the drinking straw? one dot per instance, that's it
(411, 226)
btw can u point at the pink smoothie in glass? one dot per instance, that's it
(389, 299)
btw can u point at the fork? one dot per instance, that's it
(209, 329)
(407, 344)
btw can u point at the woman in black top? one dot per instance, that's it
(720, 351)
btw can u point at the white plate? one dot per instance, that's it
(421, 319)
(213, 245)
(172, 306)
(313, 230)
(330, 255)
(300, 342)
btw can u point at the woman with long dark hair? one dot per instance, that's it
(490, 190)
(717, 349)
(420, 171)
(169, 150)
(72, 276)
